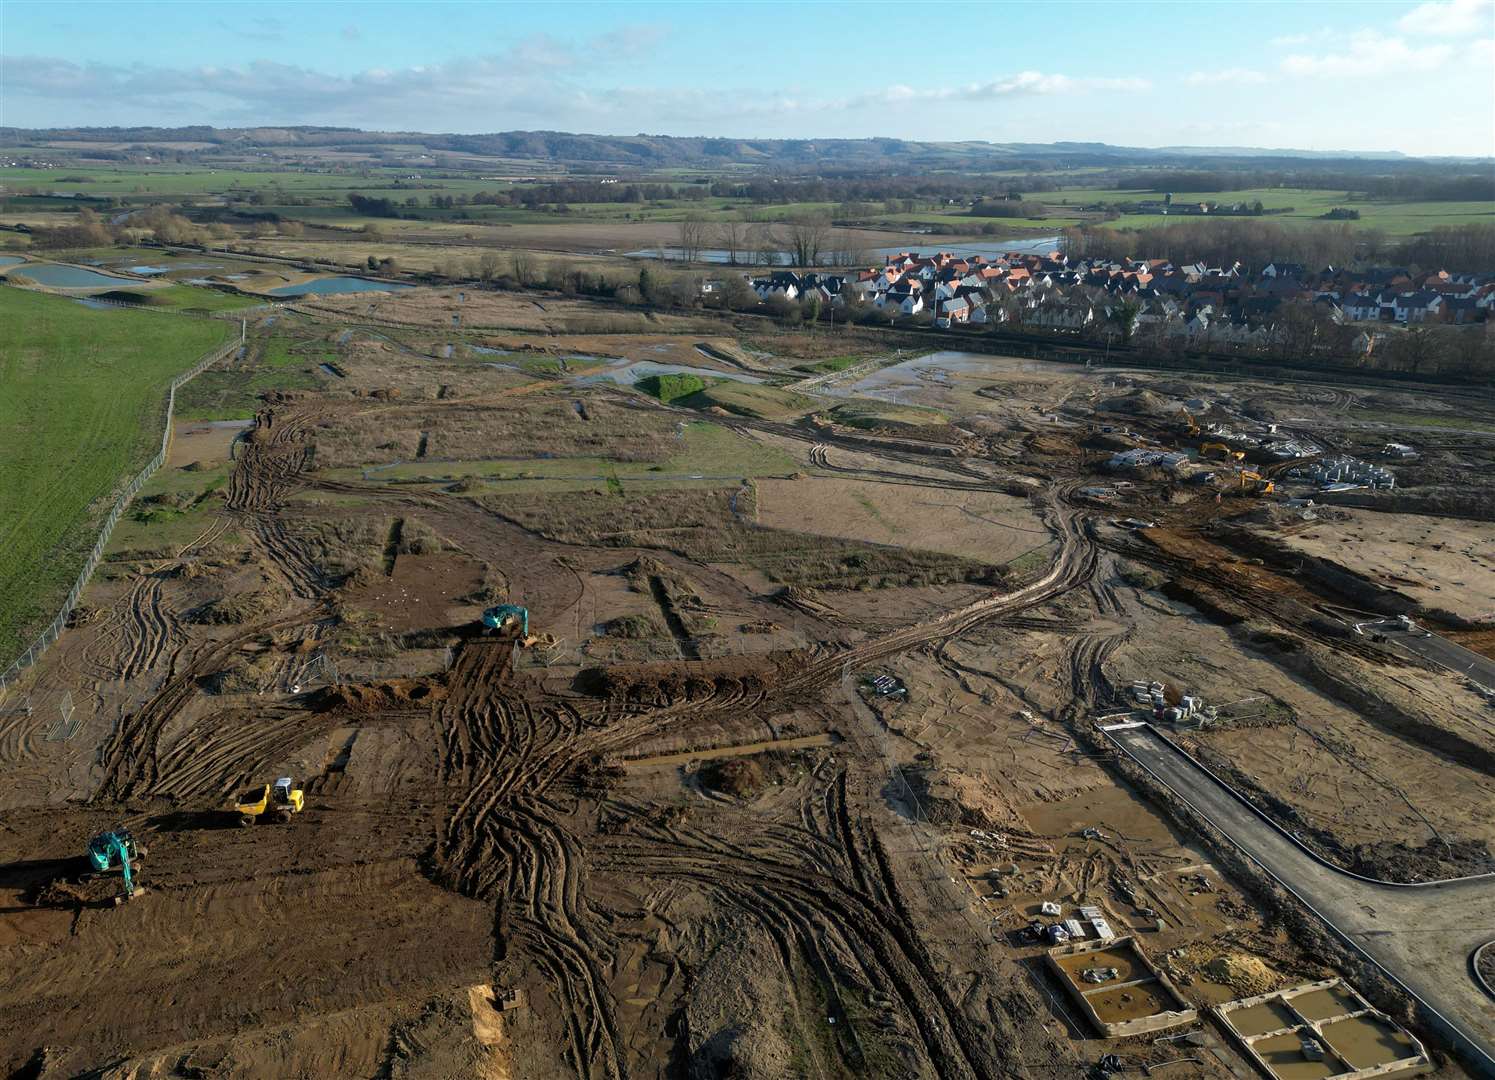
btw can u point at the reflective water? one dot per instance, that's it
(330, 285)
(70, 277)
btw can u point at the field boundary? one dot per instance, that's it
(55, 628)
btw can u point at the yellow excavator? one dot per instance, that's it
(1253, 483)
(1191, 426)
(1218, 451)
(279, 800)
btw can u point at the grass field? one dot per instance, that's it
(82, 410)
(1309, 206)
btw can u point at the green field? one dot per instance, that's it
(1309, 206)
(82, 410)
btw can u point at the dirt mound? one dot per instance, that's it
(1139, 403)
(1247, 975)
(377, 697)
(1050, 445)
(734, 1011)
(239, 608)
(688, 679)
(741, 778)
(949, 797)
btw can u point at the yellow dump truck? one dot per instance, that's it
(280, 800)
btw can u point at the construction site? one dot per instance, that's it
(478, 709)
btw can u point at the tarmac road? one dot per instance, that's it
(1447, 654)
(1423, 936)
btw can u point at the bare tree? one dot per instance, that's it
(487, 267)
(808, 239)
(766, 244)
(730, 235)
(692, 236)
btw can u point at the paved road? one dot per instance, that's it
(1454, 657)
(1423, 936)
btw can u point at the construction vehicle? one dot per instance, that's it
(1218, 451)
(1191, 426)
(1254, 483)
(280, 800)
(514, 620)
(109, 850)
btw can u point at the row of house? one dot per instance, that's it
(1226, 303)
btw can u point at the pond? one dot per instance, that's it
(629, 374)
(330, 285)
(992, 248)
(70, 277)
(11, 260)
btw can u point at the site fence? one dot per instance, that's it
(50, 634)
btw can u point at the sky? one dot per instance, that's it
(1412, 77)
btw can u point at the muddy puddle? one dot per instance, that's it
(1123, 960)
(1366, 1042)
(1322, 1004)
(1260, 1019)
(1284, 1056)
(1122, 1003)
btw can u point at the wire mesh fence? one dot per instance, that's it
(55, 628)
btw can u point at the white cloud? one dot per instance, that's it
(1451, 18)
(1022, 84)
(1236, 76)
(1369, 53)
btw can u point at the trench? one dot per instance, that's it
(683, 640)
(392, 545)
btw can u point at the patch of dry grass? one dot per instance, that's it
(700, 524)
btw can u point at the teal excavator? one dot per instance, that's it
(514, 620)
(116, 849)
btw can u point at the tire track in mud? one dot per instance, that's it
(502, 843)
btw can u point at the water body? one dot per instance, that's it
(70, 277)
(632, 373)
(991, 249)
(152, 270)
(897, 382)
(11, 260)
(329, 286)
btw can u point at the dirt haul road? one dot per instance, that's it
(1424, 936)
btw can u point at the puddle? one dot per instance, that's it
(342, 339)
(11, 260)
(1260, 1019)
(330, 370)
(1366, 1042)
(97, 305)
(446, 352)
(1322, 1004)
(1117, 1005)
(1123, 960)
(329, 286)
(1283, 1055)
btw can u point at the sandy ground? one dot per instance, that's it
(1440, 562)
(988, 526)
(471, 829)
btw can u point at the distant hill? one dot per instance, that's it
(645, 152)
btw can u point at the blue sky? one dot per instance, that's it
(1409, 76)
